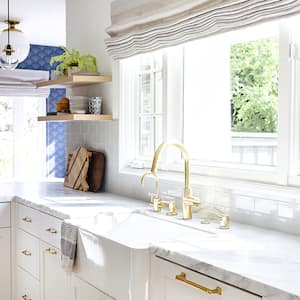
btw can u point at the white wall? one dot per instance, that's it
(43, 21)
(86, 25)
(266, 206)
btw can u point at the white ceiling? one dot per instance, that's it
(43, 21)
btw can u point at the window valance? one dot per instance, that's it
(141, 26)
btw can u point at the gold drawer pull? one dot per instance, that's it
(182, 277)
(51, 230)
(25, 297)
(27, 252)
(51, 251)
(27, 219)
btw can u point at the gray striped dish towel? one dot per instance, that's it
(69, 233)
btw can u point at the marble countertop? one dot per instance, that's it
(262, 261)
(65, 203)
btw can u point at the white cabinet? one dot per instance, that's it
(83, 291)
(4, 215)
(5, 259)
(28, 287)
(55, 282)
(38, 268)
(5, 274)
(172, 282)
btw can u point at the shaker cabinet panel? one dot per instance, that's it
(28, 288)
(82, 291)
(5, 272)
(50, 230)
(27, 253)
(4, 214)
(28, 219)
(55, 281)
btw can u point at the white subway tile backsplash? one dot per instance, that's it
(244, 203)
(265, 206)
(285, 210)
(273, 210)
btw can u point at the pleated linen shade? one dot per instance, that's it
(141, 26)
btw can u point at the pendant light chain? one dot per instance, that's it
(8, 25)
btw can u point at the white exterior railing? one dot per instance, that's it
(254, 148)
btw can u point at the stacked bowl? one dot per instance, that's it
(79, 105)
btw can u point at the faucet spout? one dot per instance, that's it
(160, 149)
(156, 180)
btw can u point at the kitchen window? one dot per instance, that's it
(22, 139)
(230, 98)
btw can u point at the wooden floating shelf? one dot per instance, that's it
(75, 117)
(74, 80)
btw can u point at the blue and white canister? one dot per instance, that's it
(95, 105)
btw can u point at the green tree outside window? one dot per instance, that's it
(254, 85)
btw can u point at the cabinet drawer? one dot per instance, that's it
(27, 248)
(50, 230)
(27, 287)
(4, 214)
(172, 282)
(28, 219)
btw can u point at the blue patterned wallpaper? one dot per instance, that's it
(38, 59)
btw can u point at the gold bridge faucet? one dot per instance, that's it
(188, 200)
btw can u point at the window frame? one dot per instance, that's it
(287, 171)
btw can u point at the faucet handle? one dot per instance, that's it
(225, 222)
(187, 203)
(156, 202)
(191, 201)
(172, 208)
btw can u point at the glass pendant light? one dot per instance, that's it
(14, 45)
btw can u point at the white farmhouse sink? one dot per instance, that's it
(113, 250)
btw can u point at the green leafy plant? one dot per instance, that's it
(73, 58)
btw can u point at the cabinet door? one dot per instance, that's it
(5, 274)
(28, 288)
(4, 214)
(83, 291)
(172, 282)
(55, 281)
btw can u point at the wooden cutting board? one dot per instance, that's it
(77, 169)
(96, 171)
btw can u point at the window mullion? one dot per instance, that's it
(18, 111)
(284, 105)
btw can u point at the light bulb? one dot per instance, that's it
(8, 59)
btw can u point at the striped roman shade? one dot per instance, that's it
(140, 26)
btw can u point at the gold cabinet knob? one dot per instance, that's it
(51, 230)
(51, 251)
(26, 252)
(25, 297)
(27, 219)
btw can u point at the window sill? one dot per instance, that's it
(241, 186)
